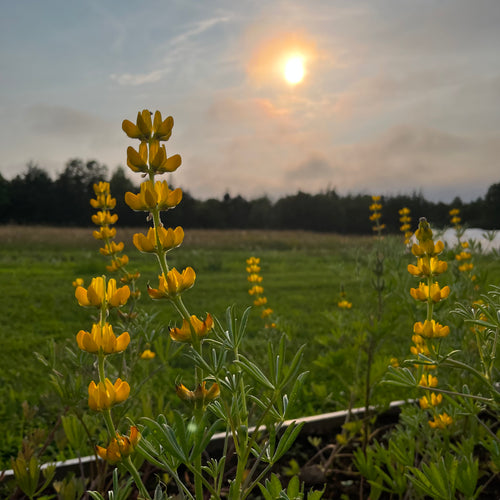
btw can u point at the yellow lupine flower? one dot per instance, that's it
(104, 201)
(375, 207)
(201, 329)
(78, 282)
(428, 381)
(441, 421)
(200, 396)
(137, 161)
(104, 218)
(103, 396)
(376, 198)
(112, 248)
(431, 329)
(157, 195)
(375, 216)
(141, 129)
(169, 239)
(463, 256)
(427, 247)
(256, 290)
(266, 312)
(173, 284)
(254, 278)
(118, 263)
(428, 267)
(147, 354)
(426, 403)
(253, 260)
(102, 338)
(104, 233)
(101, 188)
(96, 294)
(260, 301)
(120, 446)
(434, 292)
(162, 129)
(344, 304)
(144, 129)
(253, 268)
(468, 266)
(159, 161)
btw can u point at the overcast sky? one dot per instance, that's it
(398, 96)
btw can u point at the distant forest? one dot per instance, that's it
(33, 197)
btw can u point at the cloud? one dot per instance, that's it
(176, 50)
(138, 79)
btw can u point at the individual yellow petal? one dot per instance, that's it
(131, 130)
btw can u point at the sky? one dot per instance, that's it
(398, 96)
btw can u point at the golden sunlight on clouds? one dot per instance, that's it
(285, 56)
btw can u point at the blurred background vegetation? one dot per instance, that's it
(33, 197)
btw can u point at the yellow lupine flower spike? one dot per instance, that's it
(102, 338)
(103, 396)
(201, 329)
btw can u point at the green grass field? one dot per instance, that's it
(303, 274)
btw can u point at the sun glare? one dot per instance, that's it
(294, 70)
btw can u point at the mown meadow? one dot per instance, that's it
(305, 276)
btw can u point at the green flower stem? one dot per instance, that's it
(109, 423)
(137, 478)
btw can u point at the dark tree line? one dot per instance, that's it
(33, 197)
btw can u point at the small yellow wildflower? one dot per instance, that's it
(266, 312)
(434, 400)
(148, 354)
(441, 421)
(157, 195)
(428, 381)
(344, 304)
(96, 294)
(173, 284)
(103, 396)
(78, 282)
(169, 239)
(200, 396)
(431, 329)
(102, 338)
(434, 292)
(201, 329)
(120, 446)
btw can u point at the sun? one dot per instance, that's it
(294, 70)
